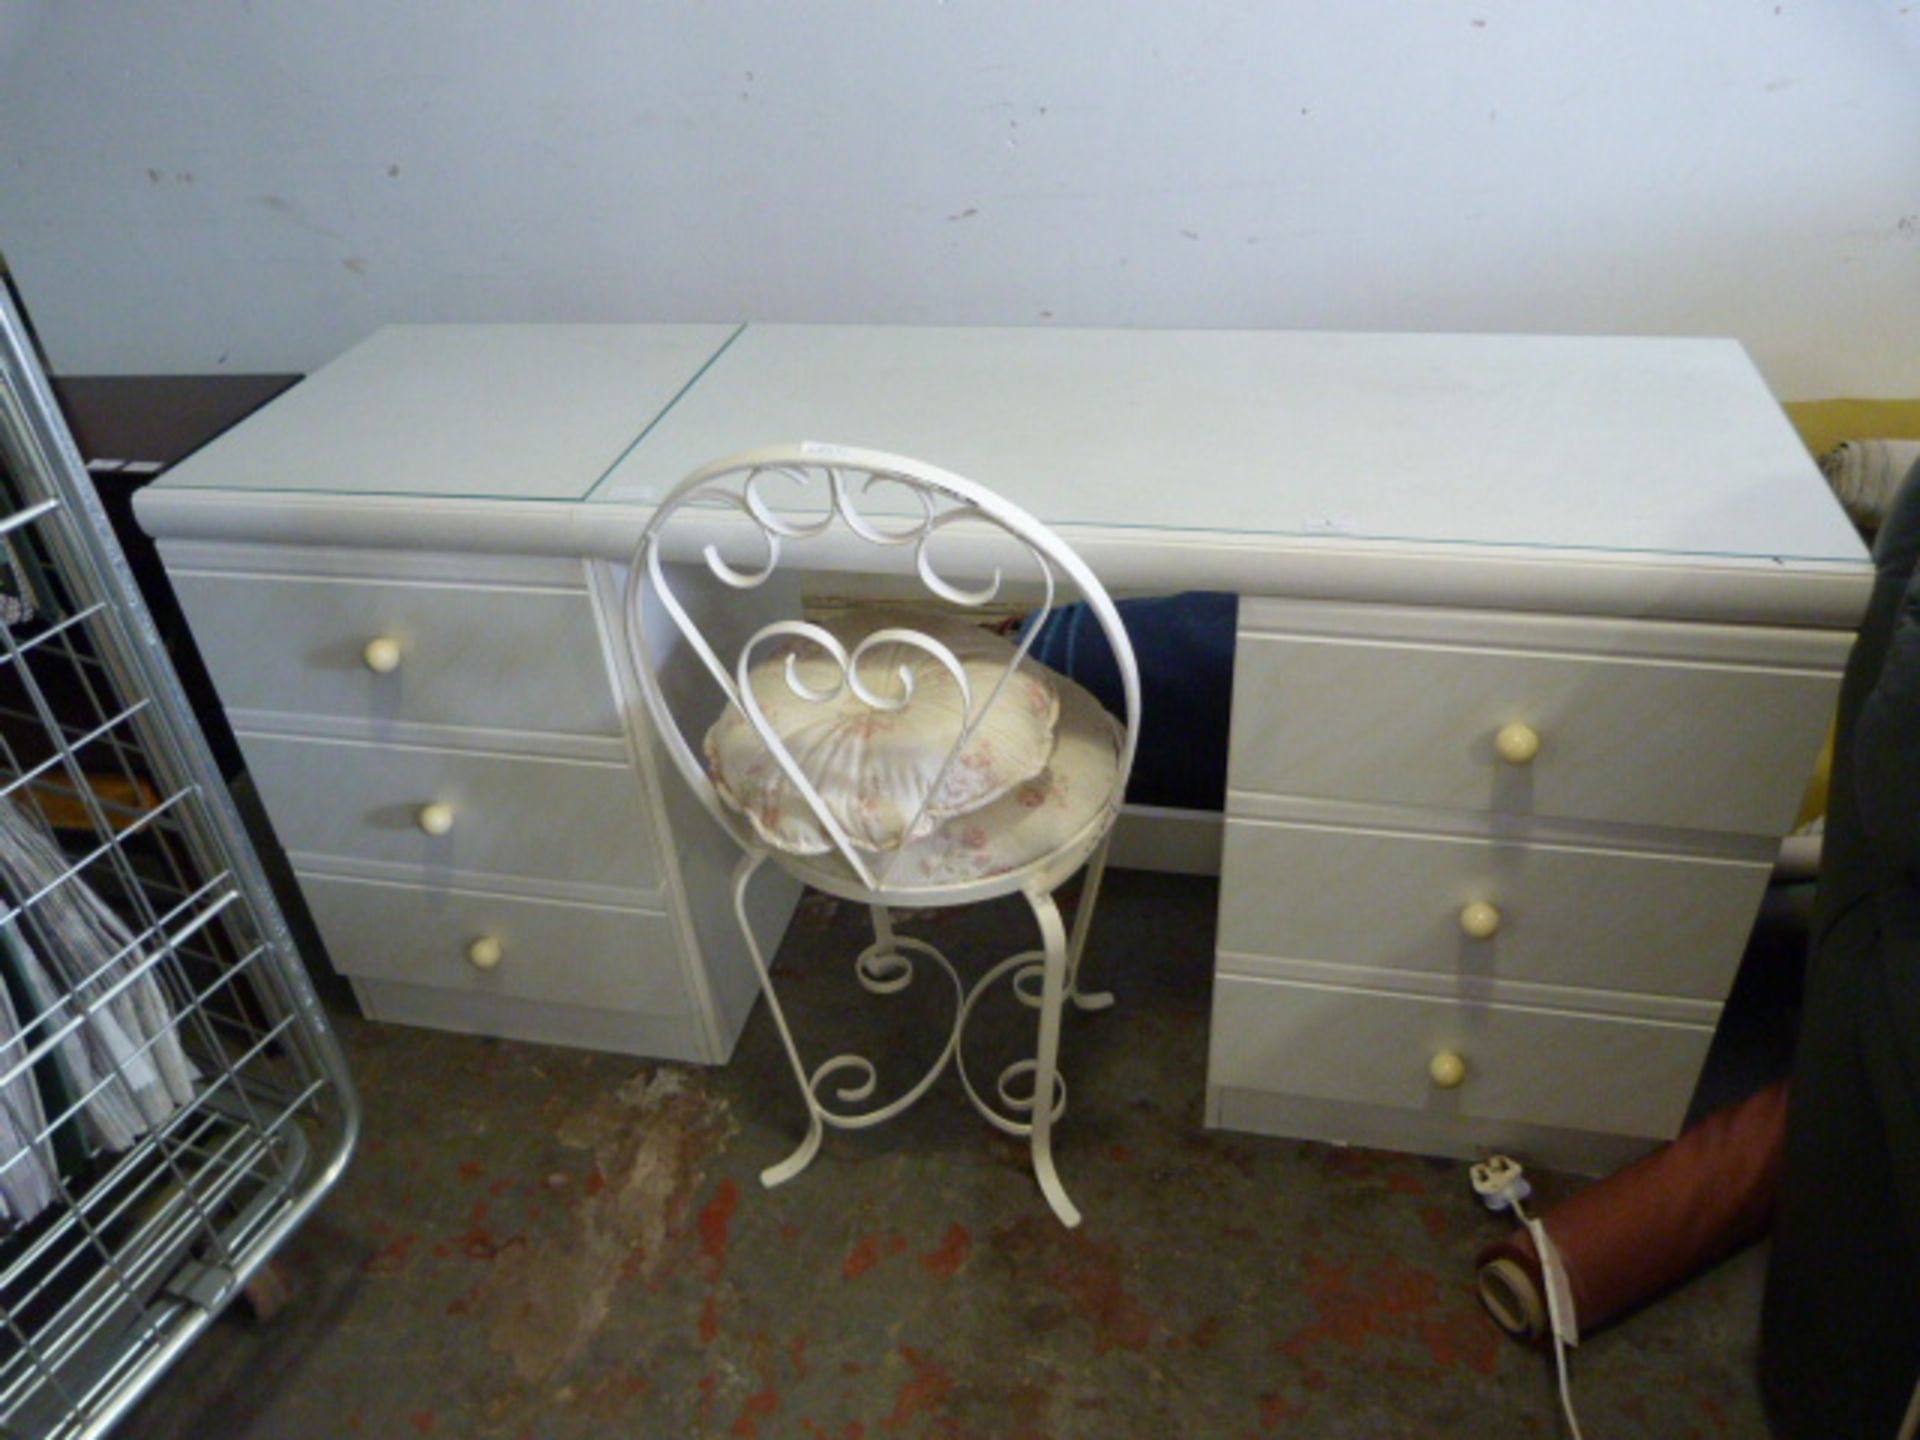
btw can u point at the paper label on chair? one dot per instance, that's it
(817, 450)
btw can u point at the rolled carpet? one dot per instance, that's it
(1642, 1231)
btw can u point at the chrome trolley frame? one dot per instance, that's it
(141, 1244)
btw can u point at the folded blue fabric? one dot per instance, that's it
(1184, 647)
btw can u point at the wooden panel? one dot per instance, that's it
(470, 655)
(565, 954)
(1424, 1132)
(471, 1012)
(1541, 1067)
(1169, 841)
(1698, 747)
(1552, 633)
(524, 816)
(1608, 919)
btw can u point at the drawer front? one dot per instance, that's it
(468, 1012)
(1600, 919)
(563, 820)
(1541, 1067)
(489, 657)
(1700, 747)
(564, 954)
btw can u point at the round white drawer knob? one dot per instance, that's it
(1447, 1070)
(382, 655)
(1480, 920)
(437, 818)
(1517, 743)
(485, 953)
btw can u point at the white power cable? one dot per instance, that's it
(1501, 1185)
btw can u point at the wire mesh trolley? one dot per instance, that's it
(172, 1100)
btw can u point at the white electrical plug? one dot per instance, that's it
(1500, 1183)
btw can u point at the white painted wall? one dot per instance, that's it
(255, 184)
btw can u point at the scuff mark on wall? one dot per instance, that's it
(296, 215)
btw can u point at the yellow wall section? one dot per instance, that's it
(1823, 424)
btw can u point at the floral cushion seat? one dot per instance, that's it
(1037, 769)
(1064, 803)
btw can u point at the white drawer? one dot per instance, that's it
(481, 656)
(584, 955)
(1633, 741)
(1541, 1067)
(590, 1027)
(1603, 919)
(576, 822)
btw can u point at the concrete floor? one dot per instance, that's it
(536, 1242)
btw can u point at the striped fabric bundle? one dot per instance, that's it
(1865, 473)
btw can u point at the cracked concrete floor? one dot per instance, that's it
(536, 1242)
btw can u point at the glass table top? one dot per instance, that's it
(1587, 443)
(496, 412)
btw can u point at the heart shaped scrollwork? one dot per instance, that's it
(849, 674)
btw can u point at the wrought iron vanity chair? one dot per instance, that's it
(838, 481)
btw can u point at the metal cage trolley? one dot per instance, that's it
(172, 1100)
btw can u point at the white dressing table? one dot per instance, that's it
(1538, 640)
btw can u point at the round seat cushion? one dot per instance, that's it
(1066, 804)
(881, 773)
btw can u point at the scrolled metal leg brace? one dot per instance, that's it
(887, 967)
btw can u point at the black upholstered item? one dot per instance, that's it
(1840, 1350)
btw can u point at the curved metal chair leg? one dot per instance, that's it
(809, 1146)
(883, 969)
(1082, 922)
(1053, 992)
(801, 1157)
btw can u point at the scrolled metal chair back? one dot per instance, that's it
(734, 496)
